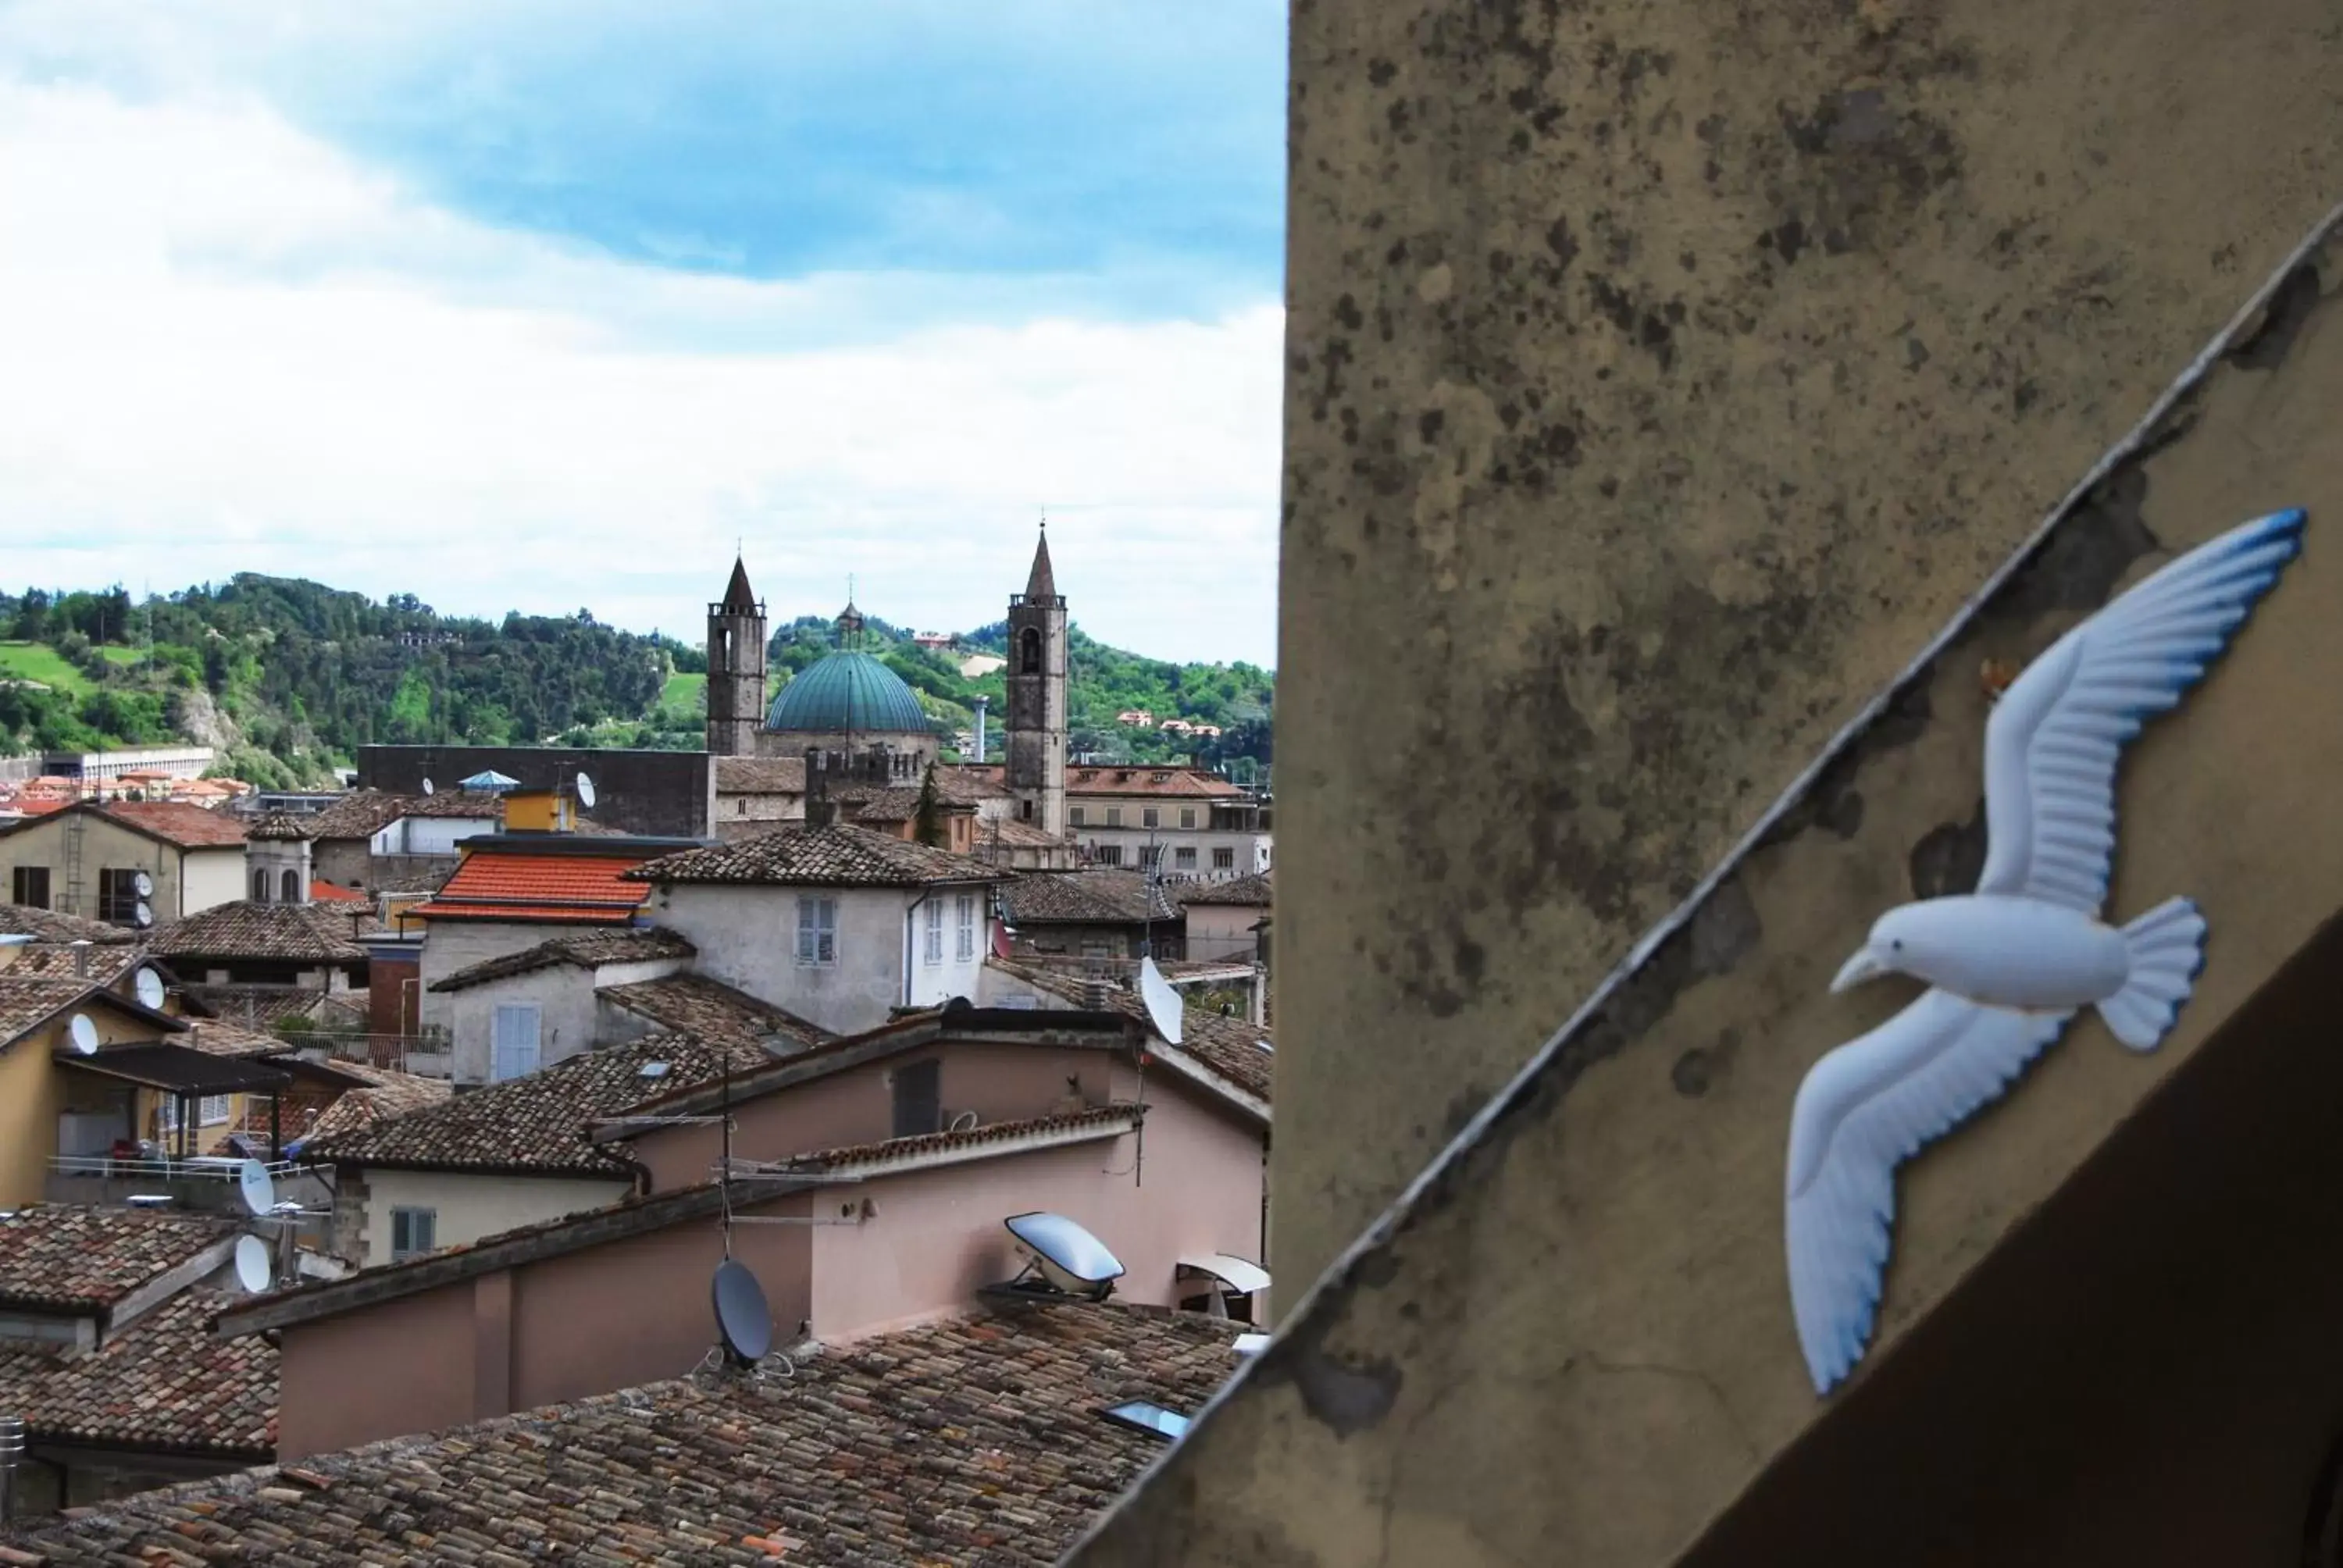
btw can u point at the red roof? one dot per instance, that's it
(489, 886)
(332, 893)
(176, 822)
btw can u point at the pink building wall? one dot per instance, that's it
(999, 1082)
(401, 1367)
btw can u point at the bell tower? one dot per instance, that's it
(1036, 772)
(736, 668)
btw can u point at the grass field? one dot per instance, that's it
(38, 662)
(684, 695)
(113, 653)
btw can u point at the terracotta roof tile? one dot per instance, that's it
(73, 1255)
(280, 827)
(64, 961)
(585, 950)
(539, 1123)
(49, 926)
(363, 813)
(391, 1093)
(1013, 834)
(214, 1038)
(189, 827)
(244, 930)
(709, 1009)
(164, 1383)
(262, 1005)
(491, 885)
(1181, 783)
(1250, 891)
(973, 1442)
(761, 775)
(841, 856)
(28, 1001)
(1230, 1046)
(1119, 898)
(965, 1138)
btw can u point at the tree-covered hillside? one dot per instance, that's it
(287, 678)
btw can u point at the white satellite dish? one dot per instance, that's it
(149, 986)
(585, 791)
(83, 1034)
(252, 1266)
(259, 1190)
(426, 787)
(144, 914)
(1250, 1344)
(143, 885)
(1163, 1005)
(1069, 1258)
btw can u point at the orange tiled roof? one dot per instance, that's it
(330, 894)
(489, 886)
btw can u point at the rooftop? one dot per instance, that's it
(307, 933)
(838, 855)
(1239, 1051)
(537, 1124)
(71, 1256)
(49, 926)
(164, 1383)
(388, 1093)
(582, 949)
(708, 1010)
(761, 775)
(175, 822)
(27, 1003)
(281, 826)
(363, 813)
(553, 879)
(975, 1440)
(1250, 891)
(1183, 783)
(1122, 898)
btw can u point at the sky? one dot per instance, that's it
(544, 305)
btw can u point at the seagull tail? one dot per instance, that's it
(2167, 949)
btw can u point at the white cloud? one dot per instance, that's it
(226, 346)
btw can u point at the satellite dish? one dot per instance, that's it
(144, 914)
(743, 1319)
(585, 791)
(144, 885)
(1069, 1257)
(251, 1267)
(426, 787)
(252, 1179)
(149, 986)
(1163, 1005)
(84, 1034)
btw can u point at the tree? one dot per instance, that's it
(928, 823)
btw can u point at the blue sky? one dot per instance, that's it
(543, 306)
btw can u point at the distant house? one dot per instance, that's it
(1139, 717)
(1101, 914)
(518, 1012)
(937, 640)
(1224, 918)
(841, 926)
(112, 861)
(371, 839)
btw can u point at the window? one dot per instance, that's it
(30, 886)
(1224, 859)
(260, 887)
(1185, 859)
(1187, 816)
(289, 887)
(117, 897)
(1073, 817)
(1028, 652)
(1150, 856)
(933, 949)
(413, 1232)
(1109, 854)
(919, 1098)
(513, 1040)
(211, 1110)
(1114, 816)
(1149, 817)
(966, 950)
(817, 931)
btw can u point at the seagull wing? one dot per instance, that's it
(1862, 1111)
(2051, 746)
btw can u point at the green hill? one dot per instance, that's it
(287, 678)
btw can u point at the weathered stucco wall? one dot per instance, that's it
(1659, 376)
(1614, 576)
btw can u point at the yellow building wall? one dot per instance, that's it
(539, 811)
(109, 846)
(35, 1091)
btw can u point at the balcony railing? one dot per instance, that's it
(162, 1168)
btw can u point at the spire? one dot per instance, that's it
(737, 597)
(1043, 586)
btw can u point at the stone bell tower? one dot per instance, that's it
(1036, 772)
(736, 668)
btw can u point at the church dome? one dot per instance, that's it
(848, 690)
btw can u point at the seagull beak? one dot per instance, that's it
(1862, 967)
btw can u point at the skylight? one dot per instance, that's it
(653, 1070)
(1152, 1419)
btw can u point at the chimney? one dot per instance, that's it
(1094, 993)
(81, 957)
(12, 1454)
(980, 728)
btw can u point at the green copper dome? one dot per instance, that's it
(848, 690)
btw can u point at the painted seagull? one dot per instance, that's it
(2010, 964)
